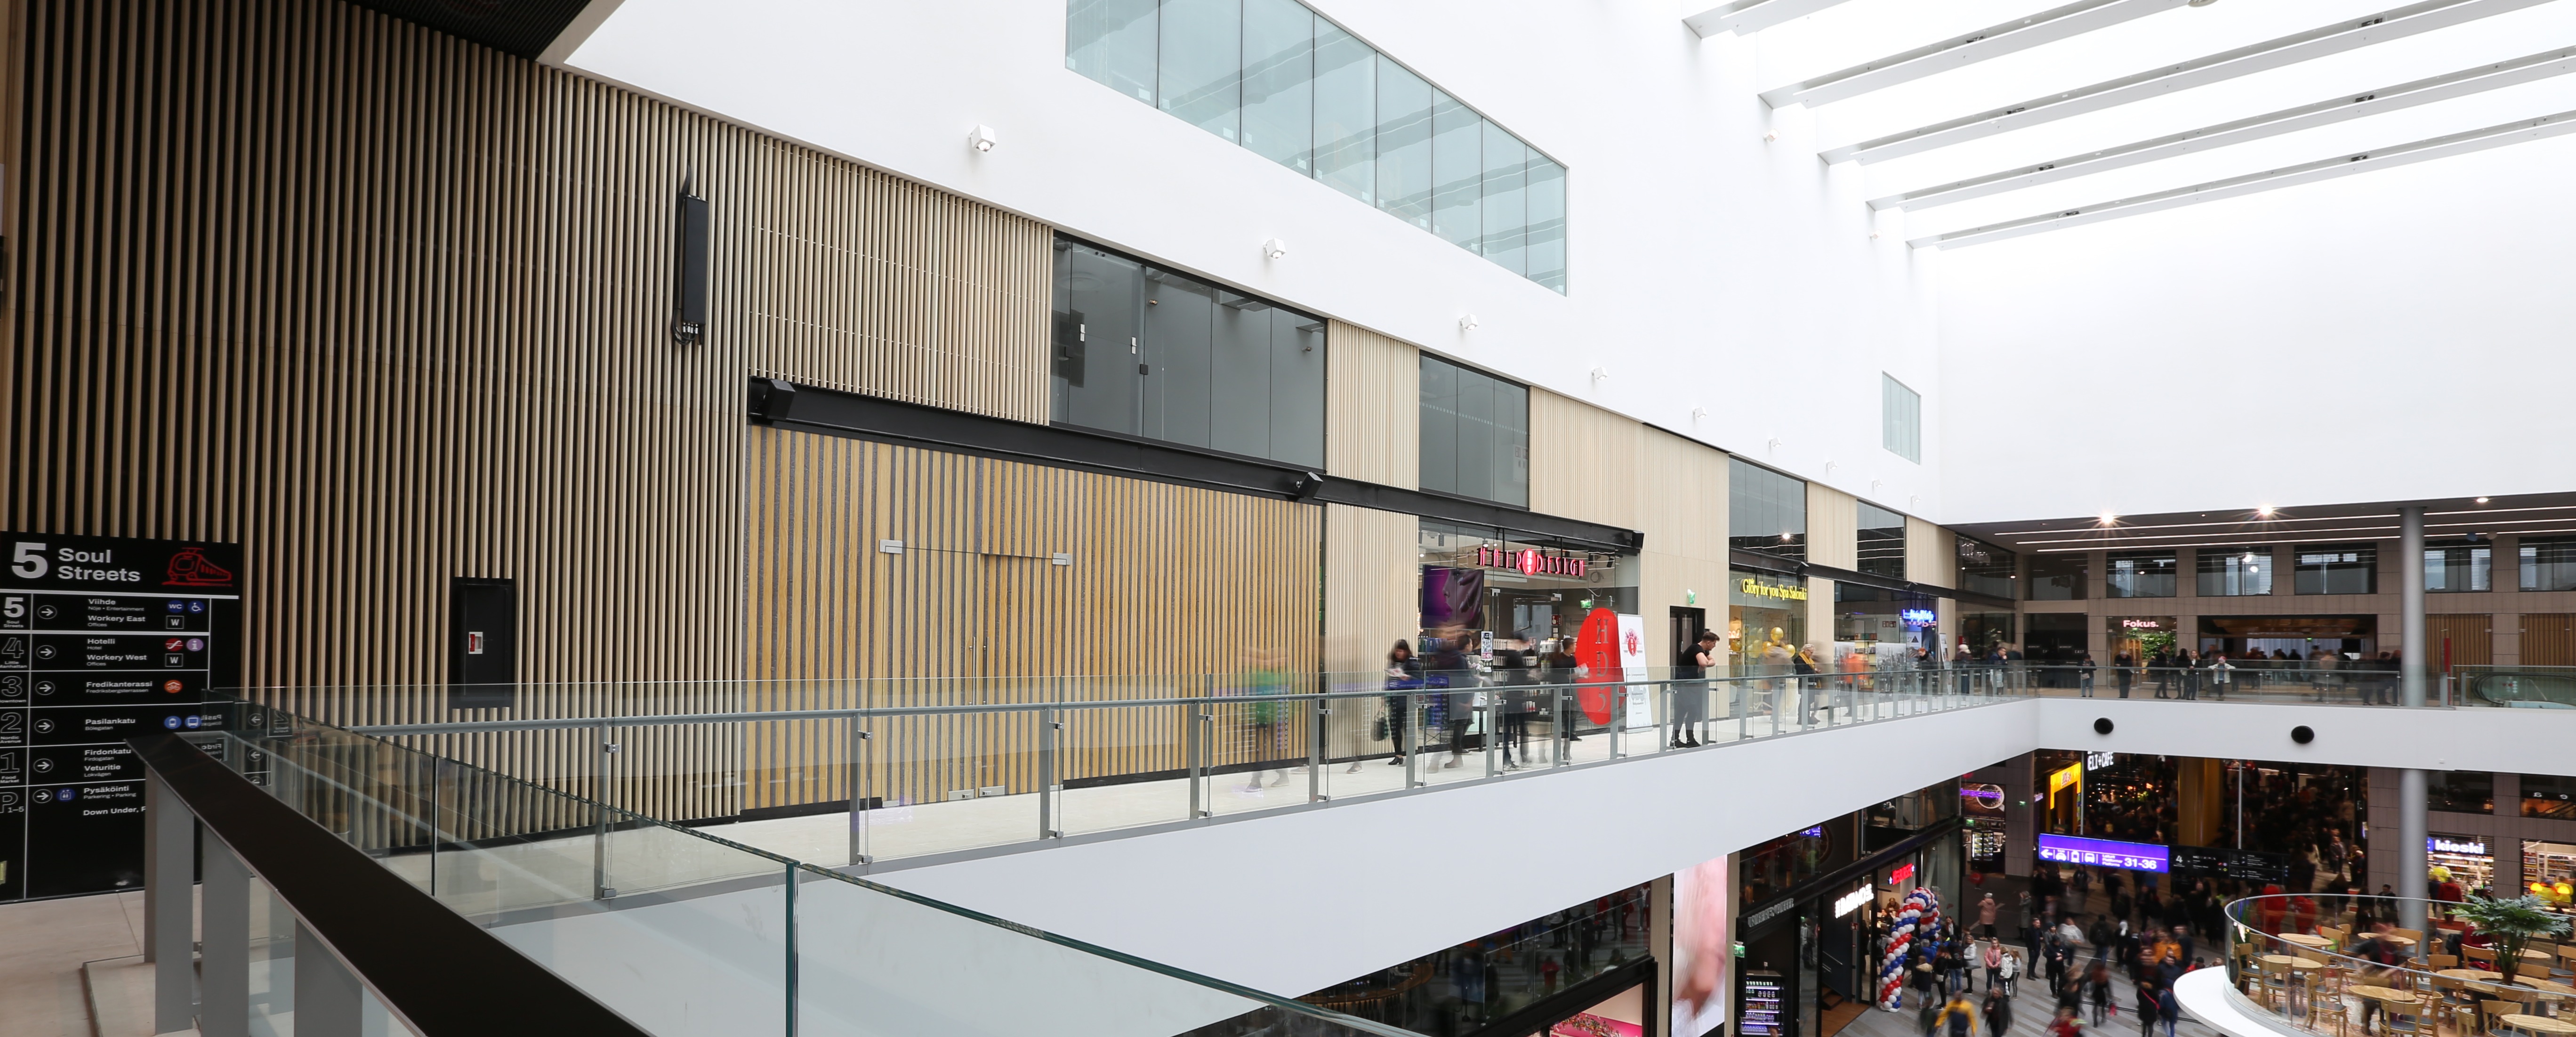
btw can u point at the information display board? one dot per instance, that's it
(2103, 853)
(2220, 862)
(101, 639)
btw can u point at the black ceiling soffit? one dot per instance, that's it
(522, 28)
(831, 412)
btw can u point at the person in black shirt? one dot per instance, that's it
(1690, 688)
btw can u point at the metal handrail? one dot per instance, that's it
(412, 952)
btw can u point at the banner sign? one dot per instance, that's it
(101, 639)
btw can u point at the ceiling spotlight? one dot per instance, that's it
(981, 138)
(2263, 512)
(1829, 467)
(1466, 322)
(2482, 500)
(2107, 518)
(1600, 373)
(1698, 413)
(1274, 249)
(2249, 557)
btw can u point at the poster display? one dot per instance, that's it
(101, 639)
(1632, 668)
(1703, 946)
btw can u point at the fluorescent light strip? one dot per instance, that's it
(2508, 511)
(2276, 543)
(2114, 541)
(2396, 23)
(2341, 108)
(1745, 16)
(2500, 135)
(1993, 41)
(2190, 525)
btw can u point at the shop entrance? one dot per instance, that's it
(1687, 623)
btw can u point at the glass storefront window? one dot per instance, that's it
(2547, 565)
(2139, 574)
(2548, 795)
(2470, 868)
(1876, 628)
(1475, 434)
(1287, 83)
(2457, 568)
(2465, 792)
(1882, 542)
(1982, 632)
(2235, 572)
(2336, 569)
(2057, 577)
(1988, 570)
(2139, 638)
(1766, 621)
(1475, 592)
(2549, 871)
(1766, 512)
(1158, 354)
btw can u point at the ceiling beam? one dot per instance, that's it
(2341, 108)
(1993, 41)
(2398, 23)
(2500, 135)
(1743, 16)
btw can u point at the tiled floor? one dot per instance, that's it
(42, 946)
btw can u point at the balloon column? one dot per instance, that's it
(1919, 918)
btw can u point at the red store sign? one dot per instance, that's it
(1530, 562)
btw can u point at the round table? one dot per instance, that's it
(2393, 938)
(2389, 994)
(2474, 975)
(2537, 1024)
(2305, 940)
(2545, 985)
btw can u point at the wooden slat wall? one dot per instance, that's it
(1585, 461)
(1833, 527)
(2548, 639)
(1164, 581)
(386, 307)
(2471, 637)
(1684, 515)
(1372, 598)
(1931, 554)
(1373, 407)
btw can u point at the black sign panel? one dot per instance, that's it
(2244, 865)
(101, 639)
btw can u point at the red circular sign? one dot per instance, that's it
(1597, 650)
(1529, 561)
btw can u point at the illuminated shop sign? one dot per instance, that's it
(2071, 774)
(1850, 902)
(2456, 844)
(2141, 624)
(1902, 873)
(1785, 592)
(2104, 853)
(1530, 561)
(1983, 798)
(1918, 617)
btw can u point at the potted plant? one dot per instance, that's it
(2509, 924)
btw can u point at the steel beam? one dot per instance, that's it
(2398, 23)
(1993, 41)
(2497, 136)
(1743, 16)
(2340, 108)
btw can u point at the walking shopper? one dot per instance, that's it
(2124, 668)
(1690, 695)
(2148, 1010)
(1403, 675)
(1958, 1018)
(1999, 1012)
(2084, 674)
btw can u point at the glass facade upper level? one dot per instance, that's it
(1275, 77)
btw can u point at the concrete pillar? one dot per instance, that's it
(2411, 827)
(169, 906)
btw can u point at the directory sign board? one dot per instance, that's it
(2104, 853)
(101, 639)
(2221, 862)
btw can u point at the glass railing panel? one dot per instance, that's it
(2514, 687)
(1123, 767)
(958, 779)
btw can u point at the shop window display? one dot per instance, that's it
(2464, 792)
(2549, 871)
(2548, 795)
(1988, 570)
(1766, 622)
(1479, 982)
(1766, 512)
(2458, 864)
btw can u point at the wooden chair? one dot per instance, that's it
(2483, 957)
(2443, 961)
(2416, 935)
(2490, 1010)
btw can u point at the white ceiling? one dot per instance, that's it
(2122, 38)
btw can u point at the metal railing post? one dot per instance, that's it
(859, 788)
(599, 887)
(1412, 740)
(1493, 717)
(1201, 716)
(225, 975)
(1618, 709)
(787, 929)
(1318, 711)
(1048, 729)
(169, 905)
